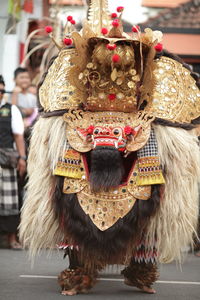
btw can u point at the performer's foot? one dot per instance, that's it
(145, 288)
(13, 243)
(71, 292)
(148, 290)
(76, 281)
(15, 246)
(197, 253)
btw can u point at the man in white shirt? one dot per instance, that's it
(11, 131)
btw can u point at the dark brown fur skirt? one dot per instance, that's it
(103, 247)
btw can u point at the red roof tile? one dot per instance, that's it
(162, 3)
(185, 16)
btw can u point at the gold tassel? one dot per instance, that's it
(70, 165)
(149, 171)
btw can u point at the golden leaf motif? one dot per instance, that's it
(175, 96)
(106, 208)
(113, 75)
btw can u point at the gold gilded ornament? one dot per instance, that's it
(56, 91)
(98, 16)
(151, 36)
(175, 96)
(139, 192)
(72, 185)
(106, 208)
(96, 73)
(149, 171)
(70, 165)
(78, 122)
(114, 74)
(79, 75)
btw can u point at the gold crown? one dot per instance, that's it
(111, 86)
(117, 72)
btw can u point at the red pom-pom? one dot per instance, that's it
(115, 23)
(90, 129)
(120, 8)
(73, 22)
(113, 15)
(159, 47)
(116, 58)
(111, 46)
(128, 130)
(136, 28)
(69, 18)
(67, 41)
(48, 29)
(104, 31)
(111, 97)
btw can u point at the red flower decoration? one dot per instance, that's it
(120, 8)
(69, 18)
(113, 15)
(128, 130)
(116, 58)
(111, 97)
(48, 29)
(104, 31)
(136, 28)
(67, 41)
(73, 22)
(90, 129)
(159, 47)
(115, 23)
(111, 46)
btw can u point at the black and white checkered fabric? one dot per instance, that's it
(151, 147)
(8, 192)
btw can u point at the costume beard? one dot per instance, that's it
(106, 170)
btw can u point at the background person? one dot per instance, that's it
(23, 97)
(26, 101)
(11, 130)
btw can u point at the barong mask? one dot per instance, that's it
(112, 86)
(125, 132)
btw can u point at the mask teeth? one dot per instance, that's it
(116, 144)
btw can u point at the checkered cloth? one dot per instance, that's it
(8, 192)
(151, 147)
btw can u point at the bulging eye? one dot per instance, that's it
(96, 131)
(116, 131)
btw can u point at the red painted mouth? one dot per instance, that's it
(109, 141)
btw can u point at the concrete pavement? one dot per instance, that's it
(20, 281)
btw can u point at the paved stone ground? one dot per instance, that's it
(173, 284)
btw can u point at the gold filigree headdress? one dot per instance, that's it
(108, 70)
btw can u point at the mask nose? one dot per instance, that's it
(104, 132)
